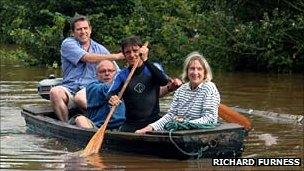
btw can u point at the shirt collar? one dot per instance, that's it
(198, 87)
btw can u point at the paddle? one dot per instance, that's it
(230, 115)
(95, 143)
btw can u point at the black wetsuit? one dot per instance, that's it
(141, 95)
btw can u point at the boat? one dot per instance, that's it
(225, 140)
(44, 86)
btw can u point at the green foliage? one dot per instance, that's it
(42, 42)
(14, 55)
(272, 44)
(233, 35)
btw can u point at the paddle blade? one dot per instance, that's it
(94, 144)
(230, 115)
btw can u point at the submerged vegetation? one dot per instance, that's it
(263, 36)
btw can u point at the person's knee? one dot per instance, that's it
(79, 119)
(82, 121)
(57, 93)
(80, 99)
(54, 91)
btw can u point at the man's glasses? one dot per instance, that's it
(104, 71)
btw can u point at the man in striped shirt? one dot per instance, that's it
(197, 100)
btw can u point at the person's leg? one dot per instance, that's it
(84, 122)
(81, 99)
(60, 102)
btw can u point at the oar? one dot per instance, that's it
(230, 115)
(95, 143)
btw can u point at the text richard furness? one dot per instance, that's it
(256, 162)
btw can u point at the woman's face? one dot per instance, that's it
(196, 73)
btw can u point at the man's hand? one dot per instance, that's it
(143, 52)
(114, 100)
(174, 84)
(144, 130)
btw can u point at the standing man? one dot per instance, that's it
(79, 56)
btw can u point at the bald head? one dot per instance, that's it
(106, 71)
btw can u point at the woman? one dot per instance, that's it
(197, 100)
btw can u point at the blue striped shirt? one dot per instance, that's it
(199, 105)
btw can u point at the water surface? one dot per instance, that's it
(21, 150)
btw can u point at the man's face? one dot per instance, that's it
(106, 71)
(82, 31)
(131, 54)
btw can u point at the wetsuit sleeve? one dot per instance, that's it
(158, 76)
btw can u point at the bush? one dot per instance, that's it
(259, 36)
(42, 42)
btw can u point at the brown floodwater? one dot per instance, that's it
(281, 93)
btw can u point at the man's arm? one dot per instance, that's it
(94, 57)
(116, 87)
(158, 75)
(170, 87)
(72, 51)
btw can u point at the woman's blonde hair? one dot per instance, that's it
(192, 57)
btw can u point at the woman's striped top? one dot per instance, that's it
(199, 105)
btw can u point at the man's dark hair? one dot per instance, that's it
(76, 18)
(130, 41)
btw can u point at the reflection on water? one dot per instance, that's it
(21, 150)
(128, 162)
(269, 139)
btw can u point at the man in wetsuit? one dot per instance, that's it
(142, 93)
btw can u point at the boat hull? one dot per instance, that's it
(226, 140)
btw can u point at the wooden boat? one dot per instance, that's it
(225, 140)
